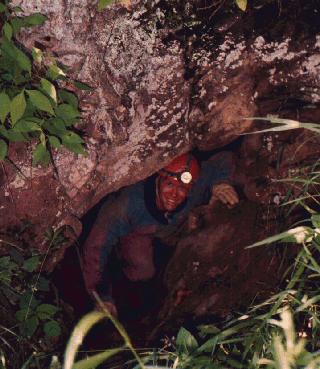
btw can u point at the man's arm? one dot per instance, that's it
(91, 265)
(225, 193)
(220, 169)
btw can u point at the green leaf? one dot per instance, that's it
(104, 3)
(235, 363)
(17, 9)
(25, 125)
(31, 263)
(68, 113)
(52, 329)
(3, 7)
(30, 326)
(45, 311)
(207, 329)
(4, 261)
(49, 88)
(15, 136)
(40, 101)
(18, 79)
(242, 4)
(40, 283)
(71, 138)
(8, 64)
(68, 97)
(12, 265)
(43, 139)
(55, 126)
(7, 30)
(7, 76)
(41, 155)
(22, 314)
(34, 119)
(5, 276)
(58, 124)
(48, 235)
(76, 148)
(3, 131)
(5, 104)
(16, 24)
(34, 20)
(17, 257)
(3, 149)
(12, 91)
(54, 141)
(17, 107)
(37, 54)
(186, 342)
(54, 72)
(23, 60)
(28, 301)
(82, 86)
(8, 48)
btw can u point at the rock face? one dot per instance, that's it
(214, 271)
(166, 79)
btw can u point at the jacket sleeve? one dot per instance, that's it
(111, 224)
(218, 169)
(90, 258)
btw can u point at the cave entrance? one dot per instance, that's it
(134, 299)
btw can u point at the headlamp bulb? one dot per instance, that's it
(186, 177)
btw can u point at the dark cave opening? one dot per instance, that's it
(140, 302)
(135, 299)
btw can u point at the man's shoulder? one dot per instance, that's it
(134, 192)
(219, 166)
(118, 207)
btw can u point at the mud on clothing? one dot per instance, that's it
(131, 221)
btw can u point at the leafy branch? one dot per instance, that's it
(32, 106)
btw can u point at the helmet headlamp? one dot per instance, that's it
(183, 177)
(186, 177)
(183, 169)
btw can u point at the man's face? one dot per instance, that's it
(170, 195)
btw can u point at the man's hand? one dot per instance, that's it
(110, 306)
(225, 193)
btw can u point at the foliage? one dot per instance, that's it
(23, 286)
(282, 348)
(286, 125)
(104, 4)
(78, 334)
(57, 238)
(264, 336)
(32, 105)
(29, 294)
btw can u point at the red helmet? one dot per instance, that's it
(183, 168)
